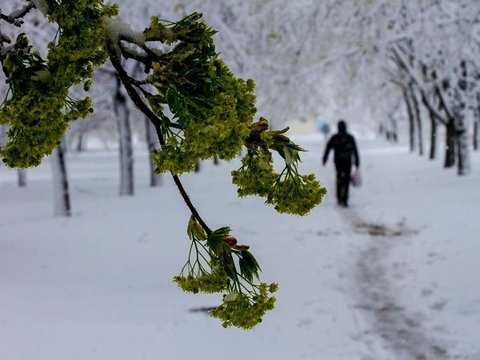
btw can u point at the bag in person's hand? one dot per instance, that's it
(356, 178)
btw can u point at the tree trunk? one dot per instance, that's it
(197, 167)
(475, 134)
(80, 142)
(122, 114)
(450, 144)
(61, 194)
(215, 160)
(411, 121)
(476, 123)
(22, 177)
(463, 153)
(152, 141)
(433, 136)
(463, 143)
(459, 112)
(393, 122)
(418, 119)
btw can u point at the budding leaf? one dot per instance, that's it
(249, 267)
(195, 230)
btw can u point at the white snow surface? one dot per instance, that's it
(118, 30)
(395, 276)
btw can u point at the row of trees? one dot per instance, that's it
(417, 67)
(438, 76)
(335, 59)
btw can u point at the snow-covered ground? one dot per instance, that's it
(395, 276)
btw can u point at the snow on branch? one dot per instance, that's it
(16, 16)
(118, 31)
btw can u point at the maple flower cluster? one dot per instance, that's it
(217, 264)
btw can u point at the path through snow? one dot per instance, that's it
(398, 326)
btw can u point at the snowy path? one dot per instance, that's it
(399, 327)
(394, 277)
(407, 260)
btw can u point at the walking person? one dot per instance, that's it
(345, 151)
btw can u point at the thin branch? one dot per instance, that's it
(157, 55)
(4, 38)
(431, 109)
(15, 18)
(151, 54)
(443, 103)
(138, 85)
(187, 200)
(128, 53)
(404, 66)
(131, 80)
(132, 93)
(398, 60)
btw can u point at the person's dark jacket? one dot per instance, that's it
(345, 149)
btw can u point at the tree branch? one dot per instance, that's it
(194, 211)
(16, 16)
(147, 58)
(431, 109)
(402, 64)
(128, 53)
(443, 103)
(156, 121)
(398, 60)
(4, 38)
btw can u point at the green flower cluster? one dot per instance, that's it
(246, 310)
(256, 176)
(188, 30)
(211, 268)
(211, 108)
(289, 192)
(37, 108)
(207, 282)
(295, 193)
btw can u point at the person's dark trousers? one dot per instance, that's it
(343, 182)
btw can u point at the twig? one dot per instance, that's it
(128, 53)
(187, 200)
(16, 16)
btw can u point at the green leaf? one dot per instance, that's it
(216, 243)
(249, 267)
